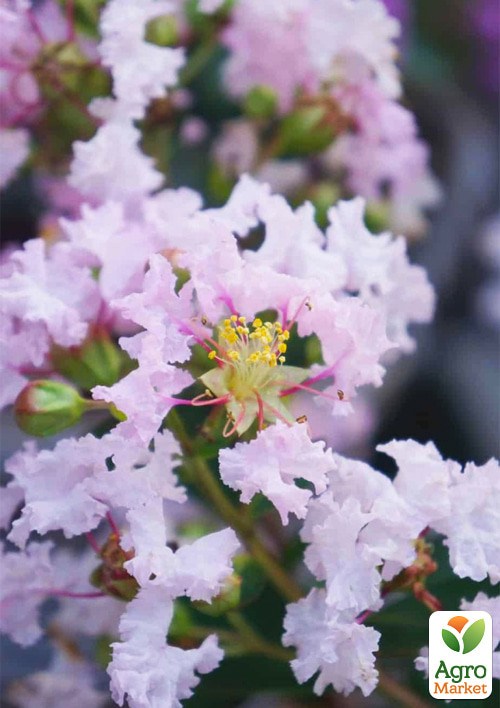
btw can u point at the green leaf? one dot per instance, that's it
(450, 640)
(473, 636)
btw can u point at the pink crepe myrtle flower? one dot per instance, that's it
(223, 285)
(47, 297)
(141, 71)
(272, 462)
(384, 151)
(250, 377)
(28, 29)
(347, 259)
(111, 165)
(314, 43)
(67, 681)
(379, 270)
(144, 667)
(26, 579)
(268, 47)
(197, 569)
(363, 528)
(48, 288)
(461, 504)
(71, 488)
(345, 34)
(338, 649)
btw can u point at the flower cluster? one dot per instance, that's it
(191, 341)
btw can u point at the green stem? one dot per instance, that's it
(253, 640)
(270, 150)
(243, 641)
(399, 693)
(198, 60)
(92, 405)
(234, 515)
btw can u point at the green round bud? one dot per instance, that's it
(46, 407)
(98, 361)
(220, 184)
(324, 195)
(261, 102)
(163, 31)
(306, 131)
(377, 216)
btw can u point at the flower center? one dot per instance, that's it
(263, 344)
(251, 373)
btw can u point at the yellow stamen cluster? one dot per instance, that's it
(259, 343)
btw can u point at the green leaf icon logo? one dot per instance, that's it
(450, 640)
(473, 635)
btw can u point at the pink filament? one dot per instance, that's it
(227, 433)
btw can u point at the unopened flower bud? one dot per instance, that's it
(111, 577)
(323, 196)
(378, 216)
(261, 102)
(163, 31)
(98, 361)
(305, 131)
(46, 407)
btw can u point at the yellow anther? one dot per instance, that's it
(234, 355)
(212, 354)
(282, 348)
(242, 319)
(282, 359)
(286, 334)
(257, 322)
(234, 318)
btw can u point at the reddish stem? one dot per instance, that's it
(113, 524)
(92, 541)
(36, 26)
(70, 18)
(290, 324)
(309, 389)
(77, 595)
